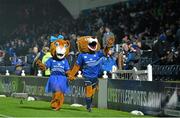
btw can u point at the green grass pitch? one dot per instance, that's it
(10, 107)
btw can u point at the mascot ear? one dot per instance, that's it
(68, 43)
(67, 48)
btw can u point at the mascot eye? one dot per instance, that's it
(65, 45)
(56, 44)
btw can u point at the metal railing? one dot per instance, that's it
(134, 74)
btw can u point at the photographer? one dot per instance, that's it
(163, 51)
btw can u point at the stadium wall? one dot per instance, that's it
(153, 98)
(76, 6)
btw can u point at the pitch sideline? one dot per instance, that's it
(4, 116)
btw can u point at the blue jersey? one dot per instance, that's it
(108, 63)
(57, 67)
(90, 63)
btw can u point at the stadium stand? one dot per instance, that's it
(139, 26)
(144, 77)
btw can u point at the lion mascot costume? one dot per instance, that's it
(58, 65)
(89, 60)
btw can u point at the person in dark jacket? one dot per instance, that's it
(73, 50)
(99, 35)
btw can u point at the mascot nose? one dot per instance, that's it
(60, 50)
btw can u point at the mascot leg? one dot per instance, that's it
(56, 102)
(53, 101)
(95, 88)
(90, 89)
(61, 100)
(89, 93)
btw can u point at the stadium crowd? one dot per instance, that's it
(133, 24)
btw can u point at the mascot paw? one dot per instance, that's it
(40, 65)
(110, 41)
(70, 76)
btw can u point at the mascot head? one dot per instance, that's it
(59, 47)
(88, 44)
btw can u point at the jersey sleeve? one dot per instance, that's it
(67, 67)
(80, 60)
(100, 53)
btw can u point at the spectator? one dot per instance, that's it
(108, 62)
(132, 56)
(161, 49)
(44, 59)
(31, 60)
(73, 50)
(2, 54)
(99, 35)
(19, 67)
(139, 24)
(7, 59)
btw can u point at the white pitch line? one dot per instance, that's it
(4, 116)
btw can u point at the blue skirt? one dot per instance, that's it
(57, 83)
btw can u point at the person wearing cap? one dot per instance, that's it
(160, 49)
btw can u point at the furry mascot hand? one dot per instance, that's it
(70, 76)
(40, 65)
(71, 73)
(110, 43)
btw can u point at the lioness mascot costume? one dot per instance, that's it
(89, 61)
(58, 65)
